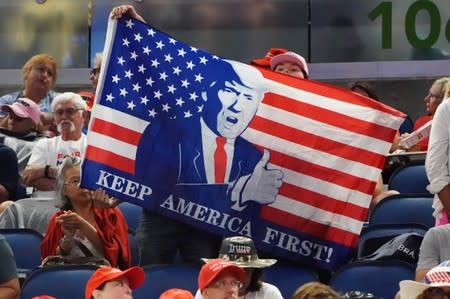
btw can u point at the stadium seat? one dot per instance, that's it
(25, 244)
(410, 178)
(380, 278)
(66, 282)
(373, 237)
(159, 278)
(404, 209)
(132, 214)
(289, 277)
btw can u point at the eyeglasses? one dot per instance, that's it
(434, 96)
(95, 71)
(221, 284)
(67, 111)
(435, 293)
(74, 182)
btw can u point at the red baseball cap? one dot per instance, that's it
(176, 294)
(43, 297)
(25, 108)
(265, 61)
(212, 269)
(135, 275)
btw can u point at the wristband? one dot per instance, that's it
(46, 171)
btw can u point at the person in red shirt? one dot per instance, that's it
(82, 229)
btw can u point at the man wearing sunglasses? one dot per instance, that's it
(69, 110)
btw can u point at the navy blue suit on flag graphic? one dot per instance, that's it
(162, 109)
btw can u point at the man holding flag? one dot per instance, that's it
(230, 149)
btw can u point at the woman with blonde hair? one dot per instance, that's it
(39, 77)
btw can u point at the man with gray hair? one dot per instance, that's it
(70, 111)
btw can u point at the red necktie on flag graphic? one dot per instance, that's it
(220, 160)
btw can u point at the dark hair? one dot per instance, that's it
(256, 280)
(364, 86)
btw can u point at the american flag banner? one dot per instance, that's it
(233, 149)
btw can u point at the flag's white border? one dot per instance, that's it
(110, 33)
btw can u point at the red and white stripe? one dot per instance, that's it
(437, 276)
(114, 137)
(331, 146)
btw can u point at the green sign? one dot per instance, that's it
(384, 11)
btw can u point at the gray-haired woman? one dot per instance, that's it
(80, 228)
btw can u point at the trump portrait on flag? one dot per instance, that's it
(221, 148)
(209, 149)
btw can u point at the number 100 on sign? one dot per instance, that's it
(384, 12)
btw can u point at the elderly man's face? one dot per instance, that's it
(225, 286)
(68, 117)
(239, 105)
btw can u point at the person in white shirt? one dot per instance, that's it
(242, 252)
(437, 161)
(70, 111)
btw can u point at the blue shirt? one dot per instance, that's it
(45, 104)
